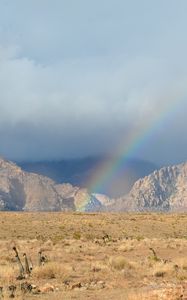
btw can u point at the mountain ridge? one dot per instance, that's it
(163, 190)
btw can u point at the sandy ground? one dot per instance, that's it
(95, 256)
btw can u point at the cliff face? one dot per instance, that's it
(163, 190)
(26, 191)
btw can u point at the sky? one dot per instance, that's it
(77, 77)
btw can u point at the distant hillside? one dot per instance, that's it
(79, 172)
(163, 190)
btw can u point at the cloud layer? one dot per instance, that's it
(76, 79)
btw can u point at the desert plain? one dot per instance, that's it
(94, 255)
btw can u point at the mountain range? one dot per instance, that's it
(163, 190)
(80, 171)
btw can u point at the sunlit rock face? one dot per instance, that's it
(26, 191)
(163, 190)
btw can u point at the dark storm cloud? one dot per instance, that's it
(76, 77)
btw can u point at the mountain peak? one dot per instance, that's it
(162, 190)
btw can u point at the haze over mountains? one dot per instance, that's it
(79, 172)
(162, 190)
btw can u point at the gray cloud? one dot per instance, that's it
(76, 78)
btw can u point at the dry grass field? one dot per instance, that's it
(94, 256)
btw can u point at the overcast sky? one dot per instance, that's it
(77, 77)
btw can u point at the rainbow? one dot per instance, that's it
(137, 138)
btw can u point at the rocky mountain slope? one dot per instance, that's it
(23, 191)
(163, 190)
(26, 191)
